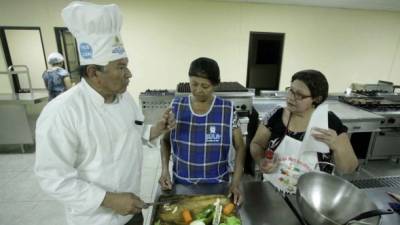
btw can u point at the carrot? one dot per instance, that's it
(228, 208)
(187, 217)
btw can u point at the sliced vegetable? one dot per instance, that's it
(205, 213)
(175, 209)
(187, 216)
(232, 220)
(197, 222)
(228, 208)
(217, 214)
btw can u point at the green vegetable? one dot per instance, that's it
(205, 213)
(157, 222)
(232, 220)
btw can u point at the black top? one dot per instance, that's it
(273, 121)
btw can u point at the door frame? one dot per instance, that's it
(253, 34)
(61, 43)
(7, 54)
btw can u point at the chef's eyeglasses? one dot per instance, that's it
(297, 96)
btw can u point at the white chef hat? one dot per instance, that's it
(97, 31)
(55, 58)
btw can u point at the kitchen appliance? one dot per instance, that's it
(241, 98)
(325, 199)
(385, 142)
(154, 103)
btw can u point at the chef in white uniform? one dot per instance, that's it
(89, 140)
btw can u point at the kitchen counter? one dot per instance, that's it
(24, 98)
(376, 195)
(262, 205)
(17, 119)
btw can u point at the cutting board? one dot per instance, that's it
(171, 214)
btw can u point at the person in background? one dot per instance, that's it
(56, 78)
(204, 135)
(89, 139)
(283, 130)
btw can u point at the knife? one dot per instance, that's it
(148, 204)
(394, 196)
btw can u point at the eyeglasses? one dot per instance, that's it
(297, 96)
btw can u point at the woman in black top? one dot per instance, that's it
(309, 88)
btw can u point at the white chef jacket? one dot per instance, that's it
(85, 147)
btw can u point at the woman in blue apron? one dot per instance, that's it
(204, 135)
(56, 78)
(283, 130)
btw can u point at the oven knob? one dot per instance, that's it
(391, 120)
(243, 107)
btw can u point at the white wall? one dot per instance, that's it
(163, 37)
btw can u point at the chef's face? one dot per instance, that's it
(114, 79)
(299, 97)
(202, 89)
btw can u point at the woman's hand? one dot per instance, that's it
(165, 181)
(328, 137)
(236, 193)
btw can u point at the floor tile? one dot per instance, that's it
(45, 213)
(6, 177)
(11, 211)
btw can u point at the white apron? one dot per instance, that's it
(292, 164)
(298, 157)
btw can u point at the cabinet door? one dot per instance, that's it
(386, 144)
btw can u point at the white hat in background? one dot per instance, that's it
(97, 31)
(55, 58)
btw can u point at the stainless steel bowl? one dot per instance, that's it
(326, 199)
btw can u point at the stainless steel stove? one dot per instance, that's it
(384, 143)
(379, 105)
(241, 98)
(154, 103)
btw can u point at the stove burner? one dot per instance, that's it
(222, 87)
(157, 92)
(373, 104)
(378, 182)
(369, 93)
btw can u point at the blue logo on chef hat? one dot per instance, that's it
(118, 50)
(86, 50)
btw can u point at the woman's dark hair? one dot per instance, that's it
(316, 82)
(205, 68)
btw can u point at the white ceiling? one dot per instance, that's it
(391, 5)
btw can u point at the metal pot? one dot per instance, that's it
(326, 199)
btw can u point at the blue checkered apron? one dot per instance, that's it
(201, 143)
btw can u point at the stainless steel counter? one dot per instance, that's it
(376, 195)
(24, 98)
(17, 122)
(262, 205)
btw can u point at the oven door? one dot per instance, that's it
(386, 143)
